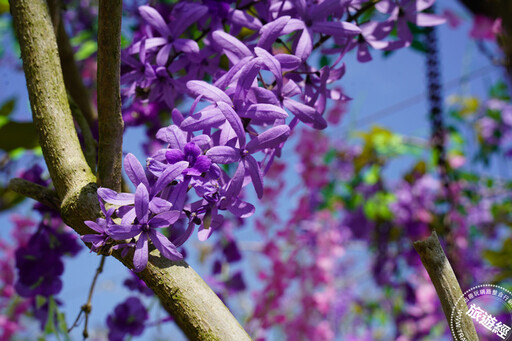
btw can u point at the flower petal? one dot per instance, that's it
(182, 238)
(233, 48)
(124, 231)
(241, 209)
(153, 18)
(158, 205)
(115, 198)
(236, 182)
(336, 28)
(234, 121)
(166, 248)
(271, 31)
(174, 155)
(255, 172)
(205, 119)
(186, 46)
(170, 173)
(94, 226)
(142, 203)
(208, 91)
(271, 63)
(263, 111)
(270, 138)
(202, 164)
(305, 113)
(165, 219)
(223, 154)
(140, 256)
(288, 61)
(242, 18)
(134, 170)
(173, 135)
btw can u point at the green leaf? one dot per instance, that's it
(125, 42)
(4, 6)
(49, 328)
(8, 107)
(330, 155)
(324, 61)
(499, 90)
(62, 325)
(418, 46)
(81, 37)
(9, 199)
(377, 207)
(87, 49)
(15, 135)
(371, 176)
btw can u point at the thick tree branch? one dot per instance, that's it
(196, 308)
(72, 78)
(48, 98)
(37, 192)
(442, 276)
(111, 123)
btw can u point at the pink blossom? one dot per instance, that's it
(485, 28)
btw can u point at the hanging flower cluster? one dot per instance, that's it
(261, 87)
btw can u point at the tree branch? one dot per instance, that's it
(48, 98)
(111, 123)
(70, 72)
(34, 191)
(447, 287)
(196, 308)
(85, 129)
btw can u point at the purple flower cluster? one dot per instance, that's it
(39, 262)
(267, 47)
(128, 319)
(259, 75)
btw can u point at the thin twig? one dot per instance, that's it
(89, 141)
(87, 307)
(111, 123)
(37, 192)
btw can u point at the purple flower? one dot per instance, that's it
(270, 138)
(34, 174)
(138, 176)
(231, 252)
(39, 262)
(102, 227)
(197, 163)
(127, 319)
(404, 11)
(144, 227)
(39, 267)
(185, 14)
